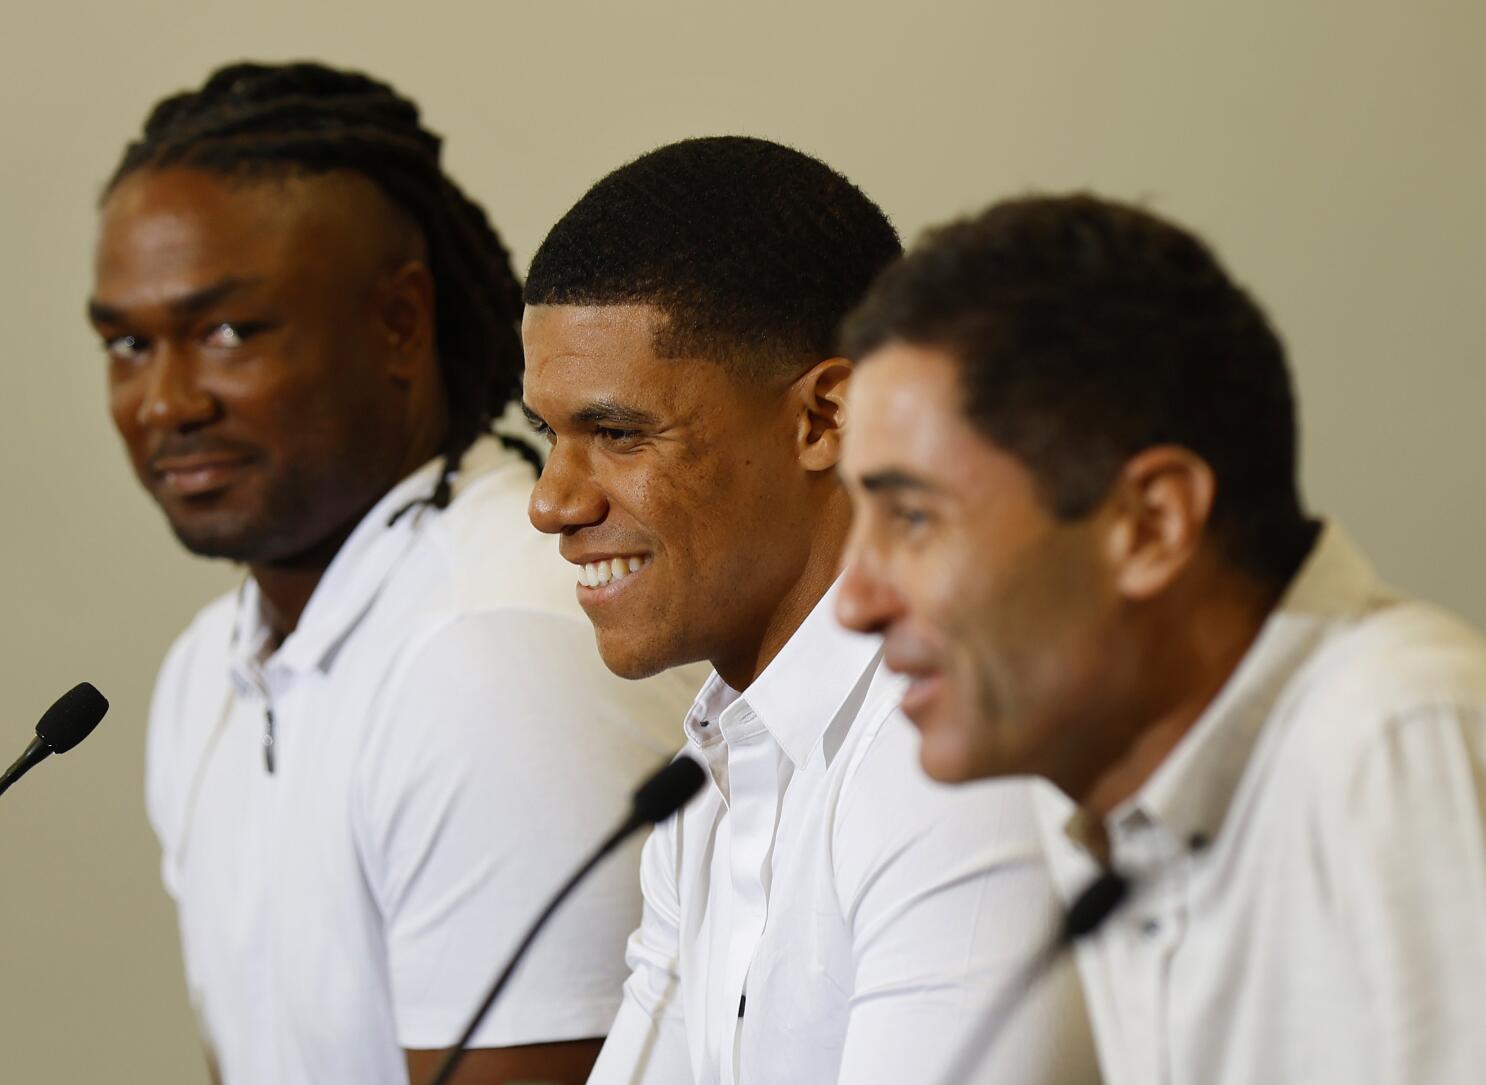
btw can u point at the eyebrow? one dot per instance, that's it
(605, 412)
(892, 481)
(192, 304)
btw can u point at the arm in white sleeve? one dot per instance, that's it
(496, 765)
(647, 1045)
(1412, 868)
(948, 897)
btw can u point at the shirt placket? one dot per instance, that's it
(1152, 932)
(753, 772)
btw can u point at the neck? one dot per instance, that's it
(287, 586)
(815, 575)
(1199, 648)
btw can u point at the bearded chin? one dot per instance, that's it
(241, 544)
(260, 524)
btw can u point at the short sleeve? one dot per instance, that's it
(502, 754)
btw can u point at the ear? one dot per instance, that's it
(820, 399)
(405, 316)
(1159, 509)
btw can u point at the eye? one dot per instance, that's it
(907, 520)
(125, 348)
(615, 436)
(230, 335)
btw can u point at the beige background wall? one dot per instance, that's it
(1334, 153)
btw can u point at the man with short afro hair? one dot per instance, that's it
(822, 912)
(677, 229)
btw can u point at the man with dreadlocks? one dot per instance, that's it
(822, 913)
(369, 765)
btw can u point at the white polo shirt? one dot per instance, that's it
(867, 913)
(447, 745)
(1310, 861)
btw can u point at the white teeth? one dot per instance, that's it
(595, 574)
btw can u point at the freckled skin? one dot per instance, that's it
(743, 538)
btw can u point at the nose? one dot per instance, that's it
(866, 601)
(173, 396)
(566, 496)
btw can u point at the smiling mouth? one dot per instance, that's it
(924, 689)
(607, 571)
(196, 478)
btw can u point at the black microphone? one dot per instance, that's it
(1094, 905)
(657, 799)
(1099, 900)
(70, 720)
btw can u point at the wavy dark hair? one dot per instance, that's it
(1087, 330)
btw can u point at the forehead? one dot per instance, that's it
(906, 415)
(168, 231)
(579, 353)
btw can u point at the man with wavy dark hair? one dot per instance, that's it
(1079, 528)
(369, 766)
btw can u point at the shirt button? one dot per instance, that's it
(1150, 927)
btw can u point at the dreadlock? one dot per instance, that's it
(307, 119)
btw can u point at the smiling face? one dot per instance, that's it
(997, 612)
(676, 488)
(251, 376)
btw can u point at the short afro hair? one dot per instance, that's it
(1086, 331)
(753, 251)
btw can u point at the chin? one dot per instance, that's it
(946, 766)
(951, 755)
(229, 546)
(628, 660)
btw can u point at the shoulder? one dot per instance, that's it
(888, 802)
(482, 588)
(189, 691)
(486, 553)
(1390, 665)
(199, 652)
(1384, 706)
(210, 630)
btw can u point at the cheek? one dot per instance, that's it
(691, 507)
(124, 397)
(941, 583)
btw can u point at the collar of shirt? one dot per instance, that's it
(1188, 795)
(355, 576)
(797, 698)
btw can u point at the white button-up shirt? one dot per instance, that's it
(1310, 861)
(824, 912)
(447, 745)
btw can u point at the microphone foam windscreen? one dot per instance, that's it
(669, 789)
(72, 718)
(1094, 905)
